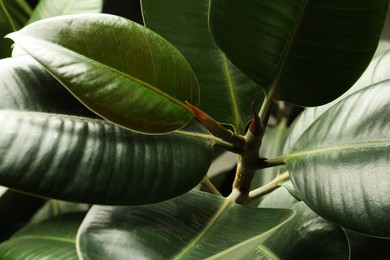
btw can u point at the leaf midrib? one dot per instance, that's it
(104, 66)
(354, 146)
(204, 231)
(51, 238)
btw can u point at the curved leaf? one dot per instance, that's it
(305, 236)
(340, 165)
(92, 161)
(310, 52)
(48, 8)
(194, 226)
(376, 72)
(365, 247)
(50, 239)
(117, 68)
(26, 85)
(226, 92)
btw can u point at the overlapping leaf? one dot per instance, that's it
(117, 68)
(92, 161)
(310, 52)
(305, 236)
(340, 165)
(181, 228)
(376, 72)
(226, 93)
(50, 239)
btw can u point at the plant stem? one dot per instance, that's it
(217, 129)
(209, 187)
(273, 162)
(269, 187)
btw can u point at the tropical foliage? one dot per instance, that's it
(108, 129)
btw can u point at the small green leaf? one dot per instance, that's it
(92, 161)
(196, 225)
(309, 52)
(305, 236)
(119, 69)
(226, 92)
(340, 165)
(48, 8)
(50, 239)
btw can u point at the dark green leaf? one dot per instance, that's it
(49, 8)
(365, 247)
(375, 73)
(50, 239)
(117, 68)
(226, 92)
(26, 86)
(194, 226)
(13, 16)
(306, 236)
(340, 165)
(310, 52)
(92, 161)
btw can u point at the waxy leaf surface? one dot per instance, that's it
(196, 225)
(117, 68)
(93, 161)
(226, 93)
(308, 51)
(340, 165)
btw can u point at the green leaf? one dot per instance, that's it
(119, 69)
(92, 161)
(376, 72)
(50, 239)
(194, 226)
(13, 16)
(305, 236)
(340, 165)
(226, 92)
(48, 8)
(26, 86)
(365, 247)
(309, 52)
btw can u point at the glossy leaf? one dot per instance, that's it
(310, 52)
(92, 161)
(26, 86)
(117, 68)
(194, 226)
(376, 72)
(226, 93)
(13, 16)
(48, 8)
(305, 236)
(340, 165)
(50, 239)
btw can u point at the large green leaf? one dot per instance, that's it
(376, 72)
(13, 16)
(117, 68)
(365, 247)
(50, 239)
(310, 52)
(48, 8)
(194, 226)
(340, 165)
(305, 236)
(226, 92)
(92, 161)
(26, 86)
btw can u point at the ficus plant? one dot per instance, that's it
(108, 129)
